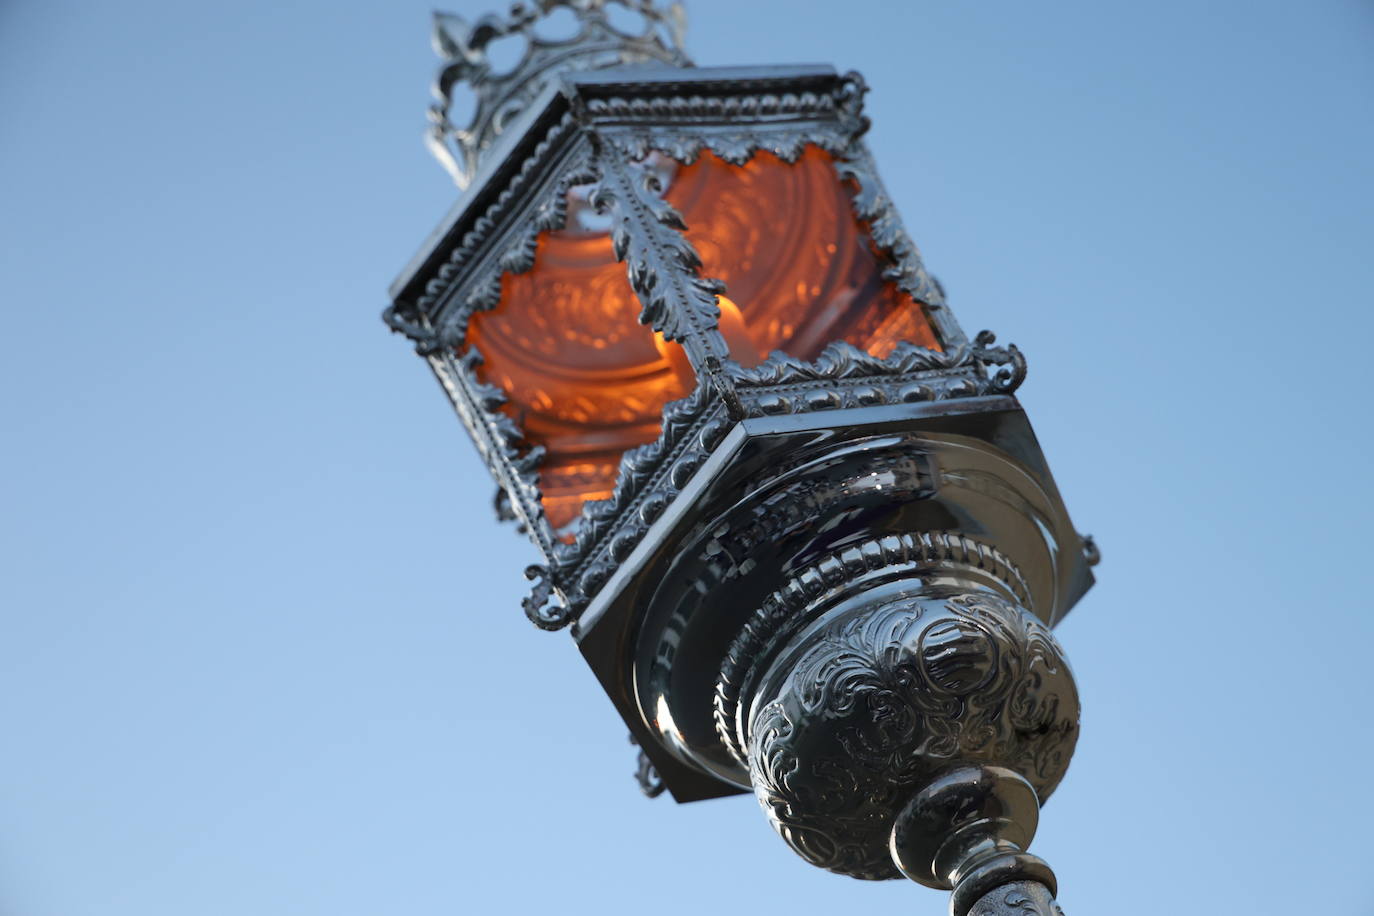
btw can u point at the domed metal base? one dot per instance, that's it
(912, 729)
(870, 704)
(898, 706)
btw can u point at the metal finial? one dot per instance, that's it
(597, 43)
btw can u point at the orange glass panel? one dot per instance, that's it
(583, 377)
(799, 269)
(588, 382)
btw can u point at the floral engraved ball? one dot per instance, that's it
(878, 697)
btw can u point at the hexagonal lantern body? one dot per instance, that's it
(797, 521)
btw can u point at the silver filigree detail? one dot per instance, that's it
(651, 475)
(499, 440)
(459, 266)
(874, 206)
(649, 478)
(542, 608)
(663, 266)
(734, 127)
(646, 774)
(853, 377)
(881, 698)
(500, 97)
(783, 613)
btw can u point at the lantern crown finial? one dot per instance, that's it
(482, 96)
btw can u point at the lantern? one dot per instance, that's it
(796, 521)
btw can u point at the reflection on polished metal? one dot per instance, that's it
(797, 522)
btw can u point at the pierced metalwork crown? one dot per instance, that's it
(498, 95)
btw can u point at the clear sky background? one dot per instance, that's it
(261, 648)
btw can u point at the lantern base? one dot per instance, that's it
(948, 494)
(909, 728)
(853, 623)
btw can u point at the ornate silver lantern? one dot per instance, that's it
(796, 521)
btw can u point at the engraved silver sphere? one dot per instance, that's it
(871, 702)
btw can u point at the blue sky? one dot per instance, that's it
(262, 650)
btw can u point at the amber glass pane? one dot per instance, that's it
(583, 377)
(587, 382)
(799, 269)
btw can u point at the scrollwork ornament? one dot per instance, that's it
(646, 774)
(860, 712)
(542, 607)
(1091, 552)
(856, 378)
(663, 265)
(650, 476)
(501, 507)
(1009, 363)
(784, 612)
(419, 331)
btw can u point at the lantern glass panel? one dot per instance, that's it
(799, 267)
(583, 378)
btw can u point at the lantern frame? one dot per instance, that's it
(590, 127)
(956, 521)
